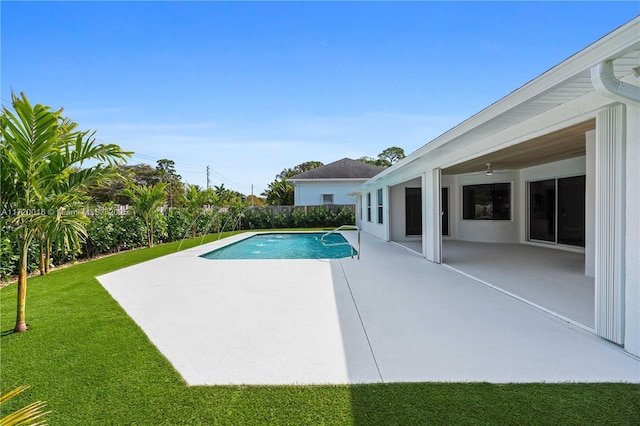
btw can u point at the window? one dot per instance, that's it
(557, 211)
(369, 206)
(379, 205)
(327, 199)
(486, 202)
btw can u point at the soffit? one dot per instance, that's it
(564, 91)
(560, 145)
(577, 86)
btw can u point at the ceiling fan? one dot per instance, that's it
(490, 171)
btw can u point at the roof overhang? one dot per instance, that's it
(325, 180)
(563, 83)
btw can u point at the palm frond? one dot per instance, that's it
(26, 415)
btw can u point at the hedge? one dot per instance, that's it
(109, 231)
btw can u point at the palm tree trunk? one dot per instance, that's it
(47, 257)
(21, 324)
(41, 249)
(193, 231)
(150, 234)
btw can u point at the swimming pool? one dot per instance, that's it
(307, 245)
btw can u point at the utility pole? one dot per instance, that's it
(251, 195)
(207, 177)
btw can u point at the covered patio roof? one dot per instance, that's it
(559, 145)
(559, 85)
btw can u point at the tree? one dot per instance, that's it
(279, 193)
(195, 199)
(41, 155)
(254, 200)
(369, 160)
(300, 168)
(62, 227)
(166, 170)
(140, 174)
(386, 158)
(145, 201)
(111, 190)
(227, 197)
(392, 155)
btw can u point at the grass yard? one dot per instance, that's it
(94, 366)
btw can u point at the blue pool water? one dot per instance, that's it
(285, 246)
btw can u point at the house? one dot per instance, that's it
(554, 164)
(331, 183)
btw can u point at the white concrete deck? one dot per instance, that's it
(550, 278)
(390, 316)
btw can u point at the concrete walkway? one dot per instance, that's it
(390, 316)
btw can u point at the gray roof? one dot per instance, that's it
(342, 169)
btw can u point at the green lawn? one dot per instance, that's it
(94, 366)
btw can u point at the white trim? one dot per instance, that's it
(350, 180)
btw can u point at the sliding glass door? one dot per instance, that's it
(557, 211)
(571, 220)
(413, 211)
(542, 210)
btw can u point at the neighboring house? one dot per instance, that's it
(332, 183)
(556, 163)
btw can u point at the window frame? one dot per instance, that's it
(554, 213)
(499, 209)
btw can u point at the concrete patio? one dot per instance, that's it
(390, 316)
(551, 279)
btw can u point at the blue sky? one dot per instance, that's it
(250, 88)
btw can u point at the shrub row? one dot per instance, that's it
(109, 232)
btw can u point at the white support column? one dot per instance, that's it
(632, 232)
(590, 206)
(609, 223)
(423, 204)
(431, 238)
(386, 212)
(437, 215)
(426, 232)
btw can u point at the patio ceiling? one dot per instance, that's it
(560, 145)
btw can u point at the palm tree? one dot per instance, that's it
(41, 154)
(62, 227)
(195, 199)
(279, 193)
(145, 201)
(226, 197)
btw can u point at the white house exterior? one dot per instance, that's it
(332, 183)
(564, 155)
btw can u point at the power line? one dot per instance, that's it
(207, 169)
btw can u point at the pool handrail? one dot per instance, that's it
(340, 228)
